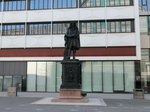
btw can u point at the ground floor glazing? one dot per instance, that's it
(45, 76)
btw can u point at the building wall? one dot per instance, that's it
(74, 14)
(145, 42)
(108, 58)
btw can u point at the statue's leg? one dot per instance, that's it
(74, 53)
(66, 53)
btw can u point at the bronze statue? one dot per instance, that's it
(72, 41)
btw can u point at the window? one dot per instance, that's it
(13, 29)
(121, 26)
(65, 3)
(0, 5)
(148, 25)
(92, 3)
(144, 5)
(60, 28)
(39, 29)
(93, 27)
(40, 4)
(14, 5)
(119, 2)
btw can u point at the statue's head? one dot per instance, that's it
(73, 24)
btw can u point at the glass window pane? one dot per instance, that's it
(128, 26)
(102, 2)
(41, 76)
(118, 76)
(31, 76)
(32, 4)
(51, 76)
(109, 27)
(97, 76)
(84, 26)
(113, 27)
(118, 26)
(7, 82)
(86, 76)
(107, 77)
(123, 26)
(89, 28)
(103, 27)
(129, 76)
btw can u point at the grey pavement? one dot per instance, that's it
(115, 102)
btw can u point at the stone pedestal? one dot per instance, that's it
(70, 90)
(138, 93)
(71, 74)
(11, 91)
(71, 95)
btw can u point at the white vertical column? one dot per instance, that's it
(106, 38)
(25, 45)
(137, 30)
(1, 38)
(51, 44)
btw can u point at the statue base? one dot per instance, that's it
(71, 95)
(71, 74)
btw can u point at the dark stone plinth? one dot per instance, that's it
(71, 74)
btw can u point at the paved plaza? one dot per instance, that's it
(115, 103)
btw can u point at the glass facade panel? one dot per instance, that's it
(1, 83)
(41, 76)
(0, 5)
(120, 26)
(31, 76)
(97, 76)
(51, 76)
(39, 29)
(92, 3)
(60, 28)
(144, 5)
(10, 5)
(10, 30)
(7, 82)
(93, 27)
(119, 2)
(107, 77)
(40, 4)
(65, 3)
(148, 19)
(118, 76)
(86, 76)
(129, 76)
(58, 75)
(17, 82)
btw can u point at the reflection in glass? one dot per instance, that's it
(7, 82)
(17, 82)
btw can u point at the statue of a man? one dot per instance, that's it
(72, 41)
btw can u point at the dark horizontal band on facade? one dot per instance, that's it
(58, 52)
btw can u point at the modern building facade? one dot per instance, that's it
(32, 41)
(145, 42)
